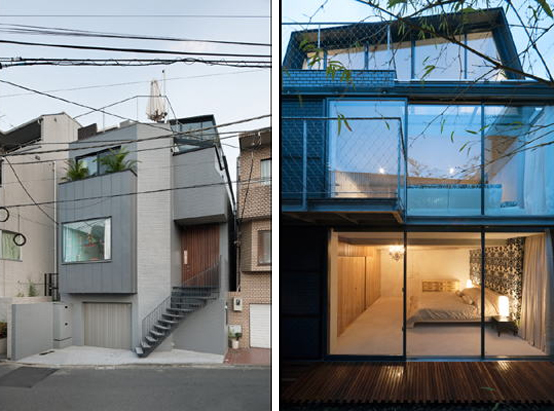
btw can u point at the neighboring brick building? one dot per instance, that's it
(254, 241)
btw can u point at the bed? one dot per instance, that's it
(441, 304)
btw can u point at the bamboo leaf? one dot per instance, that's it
(393, 3)
(452, 136)
(545, 7)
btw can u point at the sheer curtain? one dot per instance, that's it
(539, 165)
(536, 307)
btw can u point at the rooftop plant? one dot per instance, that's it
(117, 161)
(75, 170)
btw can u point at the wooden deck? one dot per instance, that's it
(419, 382)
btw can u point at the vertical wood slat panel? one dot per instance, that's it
(351, 290)
(201, 244)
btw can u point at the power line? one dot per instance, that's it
(132, 50)
(195, 16)
(27, 191)
(131, 83)
(58, 31)
(128, 119)
(20, 62)
(159, 190)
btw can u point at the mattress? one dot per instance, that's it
(437, 307)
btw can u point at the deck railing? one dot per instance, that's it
(356, 157)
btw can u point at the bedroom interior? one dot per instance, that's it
(443, 294)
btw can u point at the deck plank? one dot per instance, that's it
(423, 382)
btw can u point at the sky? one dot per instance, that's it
(230, 94)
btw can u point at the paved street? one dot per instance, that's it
(141, 388)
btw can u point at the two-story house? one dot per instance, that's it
(251, 303)
(144, 249)
(417, 194)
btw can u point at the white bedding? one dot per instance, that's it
(444, 307)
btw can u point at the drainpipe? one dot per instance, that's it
(55, 189)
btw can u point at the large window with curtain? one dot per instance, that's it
(9, 249)
(265, 171)
(87, 241)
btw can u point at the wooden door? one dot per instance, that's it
(199, 249)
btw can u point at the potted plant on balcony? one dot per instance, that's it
(235, 337)
(75, 170)
(3, 337)
(116, 161)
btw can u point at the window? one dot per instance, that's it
(92, 161)
(264, 247)
(85, 241)
(10, 251)
(265, 172)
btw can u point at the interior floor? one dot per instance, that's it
(378, 331)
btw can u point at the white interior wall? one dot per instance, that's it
(423, 264)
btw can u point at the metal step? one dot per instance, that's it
(139, 351)
(162, 327)
(157, 334)
(173, 316)
(151, 340)
(171, 322)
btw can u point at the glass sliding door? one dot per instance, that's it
(518, 271)
(366, 276)
(443, 313)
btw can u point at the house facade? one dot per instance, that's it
(24, 178)
(251, 303)
(417, 190)
(144, 252)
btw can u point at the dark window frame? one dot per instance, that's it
(261, 247)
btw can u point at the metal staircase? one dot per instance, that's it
(191, 296)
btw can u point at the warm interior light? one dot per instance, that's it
(396, 252)
(469, 284)
(504, 306)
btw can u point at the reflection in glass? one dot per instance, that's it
(444, 160)
(87, 241)
(364, 149)
(519, 160)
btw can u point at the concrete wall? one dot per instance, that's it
(203, 204)
(39, 178)
(118, 275)
(206, 329)
(31, 329)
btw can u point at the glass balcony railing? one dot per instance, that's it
(456, 160)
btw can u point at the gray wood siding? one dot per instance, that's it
(202, 204)
(117, 275)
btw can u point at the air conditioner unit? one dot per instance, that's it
(237, 304)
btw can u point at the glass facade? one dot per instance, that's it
(428, 59)
(444, 159)
(440, 275)
(87, 241)
(519, 160)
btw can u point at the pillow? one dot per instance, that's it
(491, 304)
(467, 300)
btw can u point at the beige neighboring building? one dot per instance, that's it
(250, 305)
